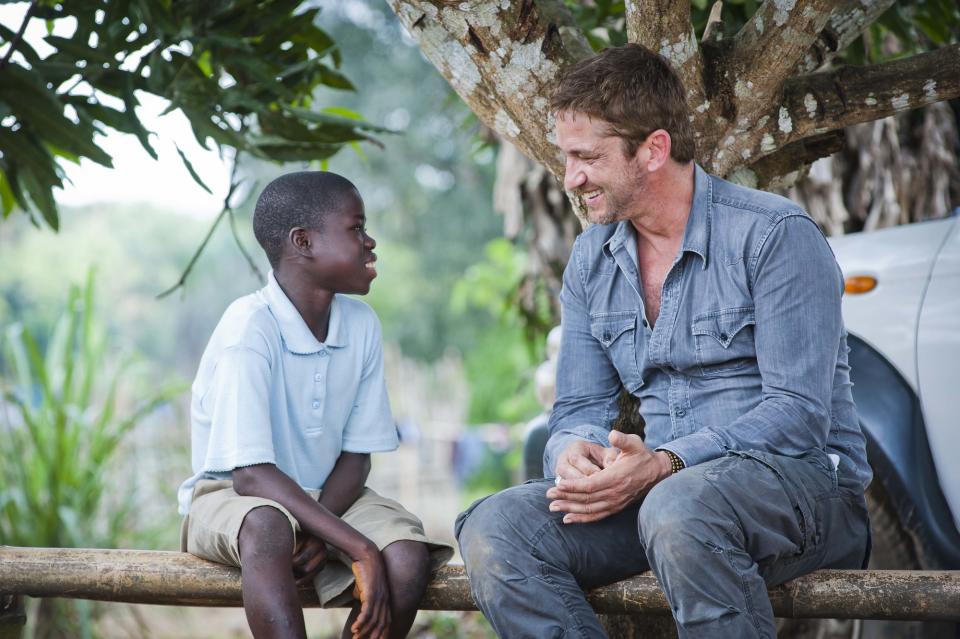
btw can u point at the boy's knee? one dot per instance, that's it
(266, 534)
(408, 571)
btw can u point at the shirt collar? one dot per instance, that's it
(297, 336)
(696, 235)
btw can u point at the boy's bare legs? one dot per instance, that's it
(270, 597)
(408, 571)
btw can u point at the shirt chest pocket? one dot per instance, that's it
(724, 340)
(617, 335)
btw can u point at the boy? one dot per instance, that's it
(288, 403)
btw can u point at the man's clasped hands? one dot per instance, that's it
(594, 481)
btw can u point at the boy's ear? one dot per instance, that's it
(300, 239)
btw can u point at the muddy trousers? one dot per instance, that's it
(716, 535)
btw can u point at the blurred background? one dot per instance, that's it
(465, 302)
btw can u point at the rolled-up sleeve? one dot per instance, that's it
(587, 382)
(797, 289)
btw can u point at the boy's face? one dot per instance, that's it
(343, 258)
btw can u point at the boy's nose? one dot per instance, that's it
(370, 242)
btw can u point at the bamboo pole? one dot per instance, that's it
(174, 578)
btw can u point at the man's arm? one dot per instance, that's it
(797, 289)
(587, 387)
(269, 482)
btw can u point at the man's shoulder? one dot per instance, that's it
(763, 206)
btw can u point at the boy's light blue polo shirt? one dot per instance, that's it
(267, 391)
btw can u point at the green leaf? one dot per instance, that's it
(42, 197)
(344, 119)
(79, 50)
(7, 201)
(334, 79)
(38, 109)
(193, 173)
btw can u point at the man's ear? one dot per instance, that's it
(300, 240)
(658, 146)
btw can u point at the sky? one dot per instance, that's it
(136, 177)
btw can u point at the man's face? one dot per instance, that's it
(343, 258)
(610, 183)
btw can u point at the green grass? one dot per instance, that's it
(63, 419)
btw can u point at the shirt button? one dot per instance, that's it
(681, 412)
(318, 377)
(645, 323)
(323, 353)
(723, 337)
(316, 405)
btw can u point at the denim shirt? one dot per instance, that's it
(748, 351)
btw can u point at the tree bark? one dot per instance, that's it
(504, 58)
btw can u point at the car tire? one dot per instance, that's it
(894, 548)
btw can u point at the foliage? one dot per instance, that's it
(242, 71)
(501, 360)
(916, 25)
(63, 423)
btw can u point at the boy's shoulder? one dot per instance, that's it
(246, 322)
(358, 324)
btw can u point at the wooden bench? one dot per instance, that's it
(179, 579)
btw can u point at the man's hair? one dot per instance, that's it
(635, 91)
(297, 199)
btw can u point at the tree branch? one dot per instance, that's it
(226, 211)
(502, 59)
(847, 21)
(664, 26)
(775, 169)
(19, 35)
(766, 50)
(818, 103)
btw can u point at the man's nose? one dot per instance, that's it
(573, 176)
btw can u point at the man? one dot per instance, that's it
(718, 307)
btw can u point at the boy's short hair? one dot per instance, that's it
(633, 89)
(297, 199)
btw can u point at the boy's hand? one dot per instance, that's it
(309, 558)
(371, 589)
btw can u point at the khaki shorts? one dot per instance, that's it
(212, 530)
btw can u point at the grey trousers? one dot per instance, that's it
(715, 535)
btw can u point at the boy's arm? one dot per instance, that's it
(269, 482)
(345, 482)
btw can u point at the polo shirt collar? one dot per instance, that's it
(297, 336)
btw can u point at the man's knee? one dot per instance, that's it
(501, 526)
(683, 516)
(266, 535)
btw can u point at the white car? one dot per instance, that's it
(902, 310)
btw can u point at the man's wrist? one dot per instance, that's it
(670, 463)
